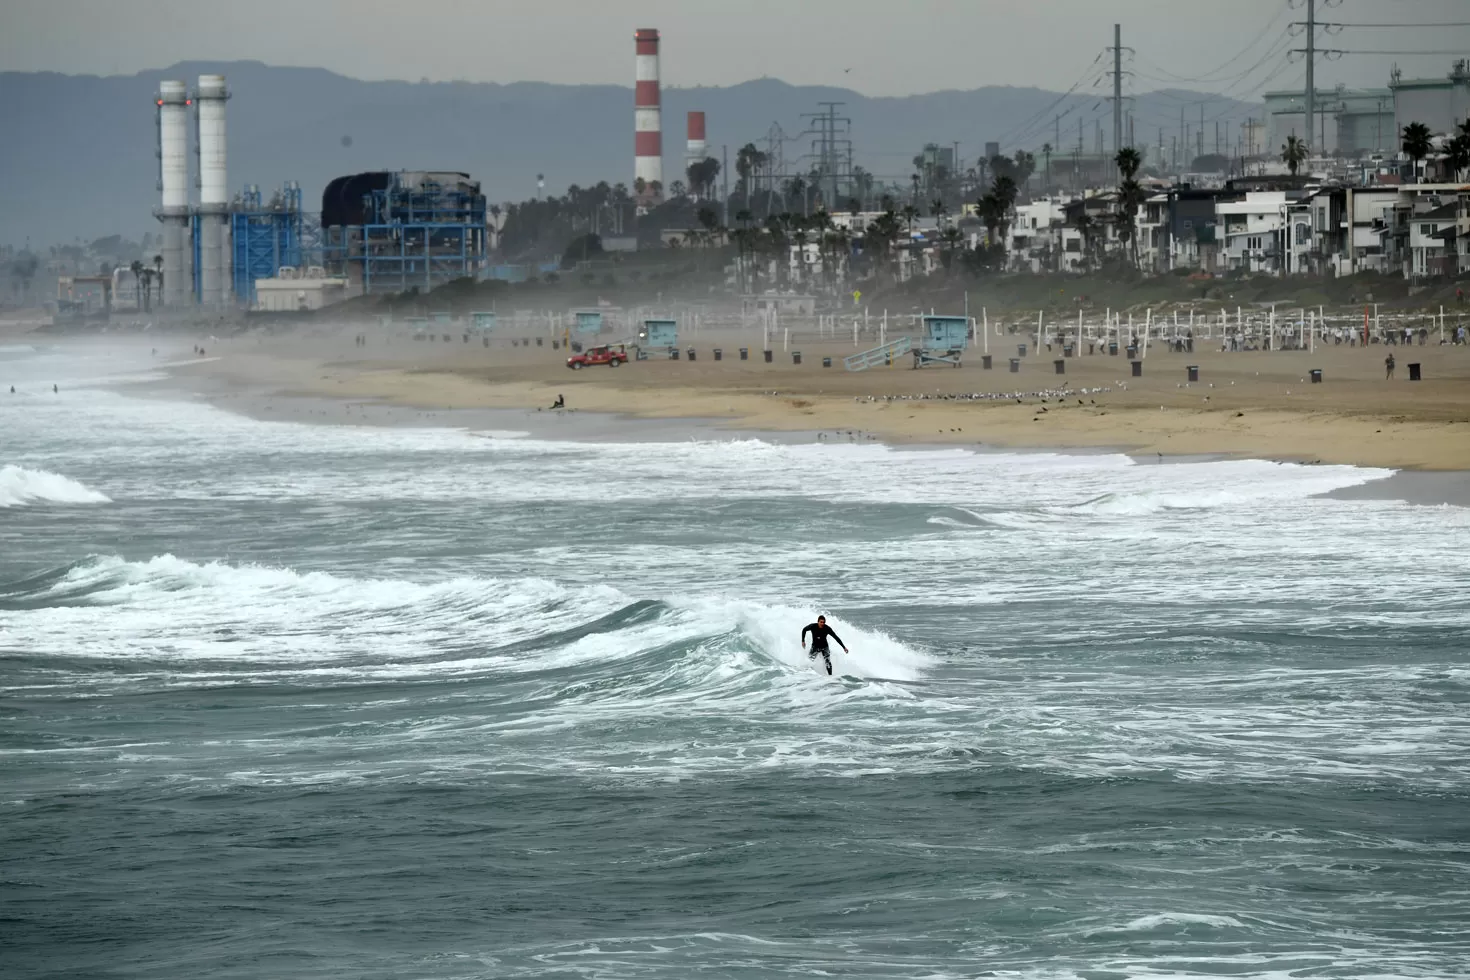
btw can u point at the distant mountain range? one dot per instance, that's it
(78, 158)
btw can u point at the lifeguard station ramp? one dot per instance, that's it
(884, 355)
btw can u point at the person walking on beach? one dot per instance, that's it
(1388, 363)
(820, 631)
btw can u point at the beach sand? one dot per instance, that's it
(1253, 404)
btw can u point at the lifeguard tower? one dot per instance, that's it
(482, 323)
(589, 322)
(659, 333)
(943, 341)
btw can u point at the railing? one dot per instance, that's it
(878, 355)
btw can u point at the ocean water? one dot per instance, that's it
(295, 701)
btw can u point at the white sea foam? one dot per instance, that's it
(20, 486)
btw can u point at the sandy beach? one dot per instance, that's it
(1250, 404)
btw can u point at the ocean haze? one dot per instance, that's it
(81, 161)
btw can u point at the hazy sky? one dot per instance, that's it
(878, 47)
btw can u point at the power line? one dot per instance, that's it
(1338, 52)
(1459, 23)
(1007, 137)
(1243, 52)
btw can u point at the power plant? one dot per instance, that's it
(377, 232)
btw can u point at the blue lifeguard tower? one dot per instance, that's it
(943, 341)
(659, 333)
(589, 322)
(482, 322)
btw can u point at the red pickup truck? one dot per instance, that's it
(611, 356)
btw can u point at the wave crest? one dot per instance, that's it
(20, 487)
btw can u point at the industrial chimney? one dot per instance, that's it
(695, 149)
(214, 200)
(648, 149)
(173, 182)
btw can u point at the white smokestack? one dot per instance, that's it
(173, 182)
(214, 200)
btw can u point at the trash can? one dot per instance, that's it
(719, 353)
(796, 357)
(1060, 364)
(485, 341)
(1132, 352)
(467, 338)
(556, 345)
(768, 356)
(447, 339)
(1015, 365)
(1193, 370)
(1414, 372)
(986, 361)
(1316, 376)
(1138, 369)
(744, 354)
(538, 340)
(691, 353)
(826, 362)
(673, 353)
(1113, 347)
(1068, 350)
(1020, 350)
(1091, 347)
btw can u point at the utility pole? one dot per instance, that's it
(1311, 64)
(1117, 87)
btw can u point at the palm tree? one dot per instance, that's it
(137, 270)
(1046, 152)
(910, 214)
(1293, 154)
(1129, 161)
(1417, 142)
(1457, 156)
(939, 211)
(1130, 196)
(158, 273)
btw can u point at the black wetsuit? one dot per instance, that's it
(820, 632)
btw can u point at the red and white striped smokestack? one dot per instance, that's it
(696, 149)
(648, 148)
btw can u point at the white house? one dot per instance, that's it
(1250, 230)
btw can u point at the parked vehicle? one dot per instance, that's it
(611, 356)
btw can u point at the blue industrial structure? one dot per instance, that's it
(391, 232)
(264, 239)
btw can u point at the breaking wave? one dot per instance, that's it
(20, 487)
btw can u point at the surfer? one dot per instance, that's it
(820, 631)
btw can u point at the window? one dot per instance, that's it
(1073, 245)
(1303, 235)
(1253, 242)
(1426, 229)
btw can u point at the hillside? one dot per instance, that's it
(79, 155)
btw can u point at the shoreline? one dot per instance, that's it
(338, 402)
